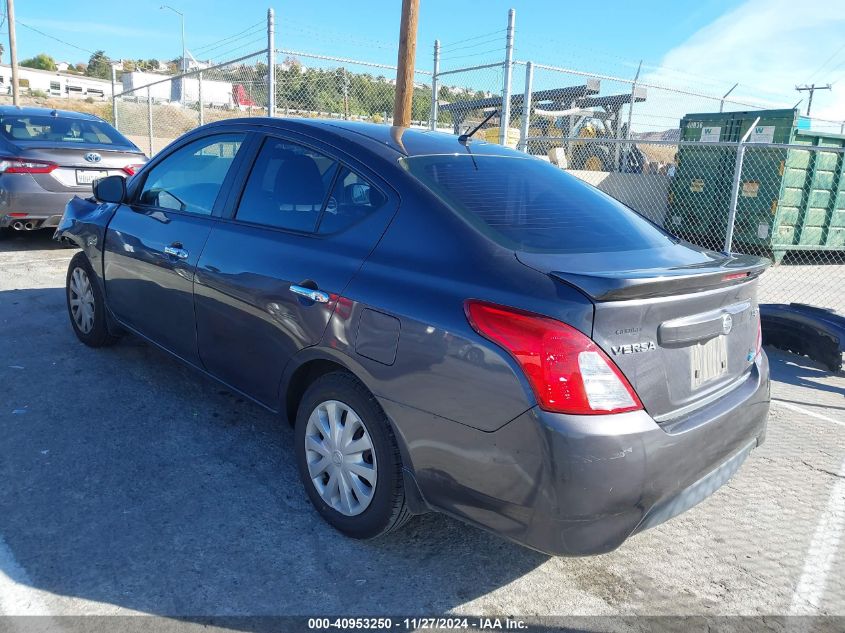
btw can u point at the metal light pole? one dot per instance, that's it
(271, 62)
(505, 113)
(114, 95)
(435, 85)
(183, 64)
(13, 51)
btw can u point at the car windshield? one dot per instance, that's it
(21, 129)
(527, 204)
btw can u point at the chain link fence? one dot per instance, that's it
(780, 193)
(309, 85)
(152, 110)
(784, 197)
(785, 202)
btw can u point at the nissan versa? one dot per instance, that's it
(47, 156)
(449, 324)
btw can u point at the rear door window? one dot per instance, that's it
(288, 187)
(189, 179)
(353, 198)
(527, 204)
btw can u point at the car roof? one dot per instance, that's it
(33, 111)
(394, 139)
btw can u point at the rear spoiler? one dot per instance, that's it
(647, 284)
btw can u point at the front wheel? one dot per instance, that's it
(85, 304)
(348, 458)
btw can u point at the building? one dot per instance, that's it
(181, 90)
(55, 83)
(160, 90)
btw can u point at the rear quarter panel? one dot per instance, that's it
(426, 266)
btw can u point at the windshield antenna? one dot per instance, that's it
(463, 138)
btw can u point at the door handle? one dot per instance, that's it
(309, 293)
(176, 251)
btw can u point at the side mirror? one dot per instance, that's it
(110, 189)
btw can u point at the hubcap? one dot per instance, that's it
(81, 297)
(340, 456)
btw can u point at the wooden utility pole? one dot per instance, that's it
(13, 50)
(405, 63)
(811, 89)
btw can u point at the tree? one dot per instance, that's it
(42, 61)
(2, 50)
(99, 66)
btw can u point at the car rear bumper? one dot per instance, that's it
(581, 485)
(22, 196)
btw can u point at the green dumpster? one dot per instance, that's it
(788, 200)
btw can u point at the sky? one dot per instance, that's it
(767, 46)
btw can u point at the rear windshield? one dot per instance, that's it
(22, 129)
(527, 204)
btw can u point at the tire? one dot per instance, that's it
(386, 509)
(90, 328)
(590, 158)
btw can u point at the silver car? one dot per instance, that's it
(48, 156)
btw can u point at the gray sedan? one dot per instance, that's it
(449, 324)
(48, 156)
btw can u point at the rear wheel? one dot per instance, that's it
(348, 458)
(85, 304)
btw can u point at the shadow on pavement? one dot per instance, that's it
(40, 240)
(801, 371)
(131, 480)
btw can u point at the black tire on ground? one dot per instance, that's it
(98, 335)
(387, 511)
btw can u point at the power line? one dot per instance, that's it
(240, 47)
(209, 52)
(53, 37)
(825, 63)
(475, 45)
(215, 44)
(470, 39)
(333, 36)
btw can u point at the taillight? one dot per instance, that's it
(26, 166)
(567, 371)
(133, 169)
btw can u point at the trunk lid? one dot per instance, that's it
(75, 171)
(679, 322)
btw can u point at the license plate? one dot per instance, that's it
(87, 176)
(708, 361)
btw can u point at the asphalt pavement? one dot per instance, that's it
(130, 484)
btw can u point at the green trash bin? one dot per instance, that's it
(788, 199)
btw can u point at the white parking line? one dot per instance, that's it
(808, 595)
(17, 596)
(812, 414)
